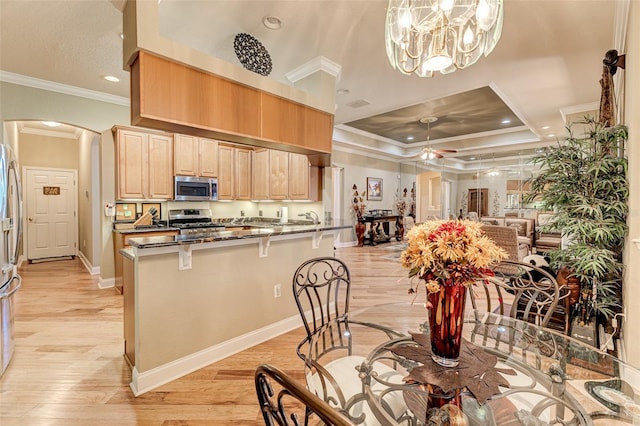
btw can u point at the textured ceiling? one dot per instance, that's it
(476, 111)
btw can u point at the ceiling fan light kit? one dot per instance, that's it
(428, 153)
(427, 36)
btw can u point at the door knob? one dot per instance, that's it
(30, 219)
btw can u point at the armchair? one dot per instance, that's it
(507, 238)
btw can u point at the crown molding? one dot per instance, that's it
(575, 109)
(66, 89)
(319, 63)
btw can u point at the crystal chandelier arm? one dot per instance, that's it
(423, 36)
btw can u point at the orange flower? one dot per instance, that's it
(452, 252)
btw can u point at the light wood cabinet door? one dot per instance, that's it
(298, 176)
(194, 156)
(243, 173)
(145, 165)
(260, 175)
(131, 153)
(282, 120)
(160, 169)
(185, 155)
(208, 157)
(318, 130)
(279, 175)
(226, 172)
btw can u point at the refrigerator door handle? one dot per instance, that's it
(13, 165)
(10, 291)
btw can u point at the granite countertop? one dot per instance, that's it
(252, 230)
(146, 228)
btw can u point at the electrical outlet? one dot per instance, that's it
(277, 290)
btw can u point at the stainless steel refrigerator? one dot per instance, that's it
(11, 237)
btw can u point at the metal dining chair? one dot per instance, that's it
(321, 289)
(525, 292)
(291, 403)
(532, 293)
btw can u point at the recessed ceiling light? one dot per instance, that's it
(343, 91)
(409, 138)
(546, 127)
(272, 22)
(472, 158)
(122, 36)
(506, 121)
(111, 78)
(51, 123)
(551, 135)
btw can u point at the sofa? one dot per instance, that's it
(525, 227)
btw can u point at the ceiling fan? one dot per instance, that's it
(428, 152)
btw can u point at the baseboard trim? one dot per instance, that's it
(93, 270)
(106, 283)
(151, 379)
(346, 244)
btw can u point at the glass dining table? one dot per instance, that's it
(375, 367)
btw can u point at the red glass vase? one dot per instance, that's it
(360, 231)
(446, 318)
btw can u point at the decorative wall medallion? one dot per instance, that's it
(252, 54)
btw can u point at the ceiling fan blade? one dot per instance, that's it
(446, 150)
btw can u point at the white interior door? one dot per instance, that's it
(50, 205)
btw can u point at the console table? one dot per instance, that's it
(378, 229)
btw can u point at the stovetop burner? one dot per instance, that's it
(188, 219)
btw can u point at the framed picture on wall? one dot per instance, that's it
(374, 189)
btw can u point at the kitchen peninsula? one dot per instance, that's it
(190, 300)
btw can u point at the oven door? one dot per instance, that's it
(194, 189)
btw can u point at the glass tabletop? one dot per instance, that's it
(376, 368)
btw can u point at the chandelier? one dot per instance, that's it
(425, 36)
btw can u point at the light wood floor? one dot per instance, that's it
(68, 367)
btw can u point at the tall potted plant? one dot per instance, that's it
(583, 180)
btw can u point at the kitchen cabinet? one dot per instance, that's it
(144, 164)
(234, 173)
(195, 156)
(165, 92)
(230, 110)
(279, 175)
(260, 173)
(282, 120)
(298, 177)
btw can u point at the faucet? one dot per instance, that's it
(312, 216)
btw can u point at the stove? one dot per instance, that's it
(193, 221)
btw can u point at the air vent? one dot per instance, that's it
(359, 103)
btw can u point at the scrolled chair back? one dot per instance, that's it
(290, 403)
(535, 292)
(321, 289)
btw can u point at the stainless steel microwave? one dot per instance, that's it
(188, 188)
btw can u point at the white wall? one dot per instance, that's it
(395, 177)
(631, 289)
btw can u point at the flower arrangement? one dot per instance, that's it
(358, 204)
(401, 204)
(449, 253)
